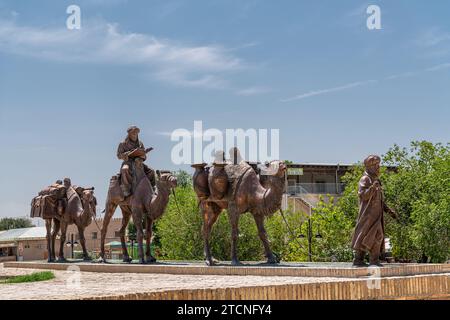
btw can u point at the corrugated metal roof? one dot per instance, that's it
(23, 233)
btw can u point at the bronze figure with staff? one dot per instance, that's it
(369, 231)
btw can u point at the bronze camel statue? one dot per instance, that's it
(79, 211)
(144, 204)
(246, 193)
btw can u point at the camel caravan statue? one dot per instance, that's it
(239, 187)
(61, 205)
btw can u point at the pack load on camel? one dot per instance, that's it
(50, 202)
(219, 181)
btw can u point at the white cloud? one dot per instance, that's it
(434, 42)
(329, 90)
(252, 91)
(439, 67)
(401, 75)
(178, 64)
(408, 74)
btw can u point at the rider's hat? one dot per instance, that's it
(132, 128)
(372, 160)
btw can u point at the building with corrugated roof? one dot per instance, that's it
(27, 244)
(22, 244)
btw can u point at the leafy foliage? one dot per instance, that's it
(420, 193)
(15, 223)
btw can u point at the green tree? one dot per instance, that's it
(180, 232)
(184, 179)
(420, 192)
(180, 227)
(15, 223)
(285, 239)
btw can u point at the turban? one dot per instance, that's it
(371, 161)
(132, 128)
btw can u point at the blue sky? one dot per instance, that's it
(336, 90)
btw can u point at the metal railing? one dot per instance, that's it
(316, 188)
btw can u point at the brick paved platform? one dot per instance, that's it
(336, 270)
(194, 281)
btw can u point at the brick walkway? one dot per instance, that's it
(98, 285)
(95, 284)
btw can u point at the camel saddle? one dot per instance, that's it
(236, 173)
(114, 187)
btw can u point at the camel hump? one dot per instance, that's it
(200, 181)
(218, 181)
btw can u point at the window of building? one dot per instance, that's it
(94, 235)
(117, 234)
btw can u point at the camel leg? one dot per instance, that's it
(48, 226)
(83, 244)
(56, 227)
(210, 216)
(62, 242)
(263, 236)
(137, 219)
(233, 216)
(148, 251)
(109, 212)
(126, 214)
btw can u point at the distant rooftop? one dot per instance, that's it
(32, 233)
(329, 165)
(318, 164)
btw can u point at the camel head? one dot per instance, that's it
(275, 168)
(273, 174)
(167, 179)
(88, 197)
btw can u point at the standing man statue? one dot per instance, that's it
(369, 230)
(126, 152)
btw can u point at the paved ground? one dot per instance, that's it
(70, 285)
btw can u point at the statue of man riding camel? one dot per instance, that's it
(128, 150)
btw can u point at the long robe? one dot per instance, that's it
(369, 230)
